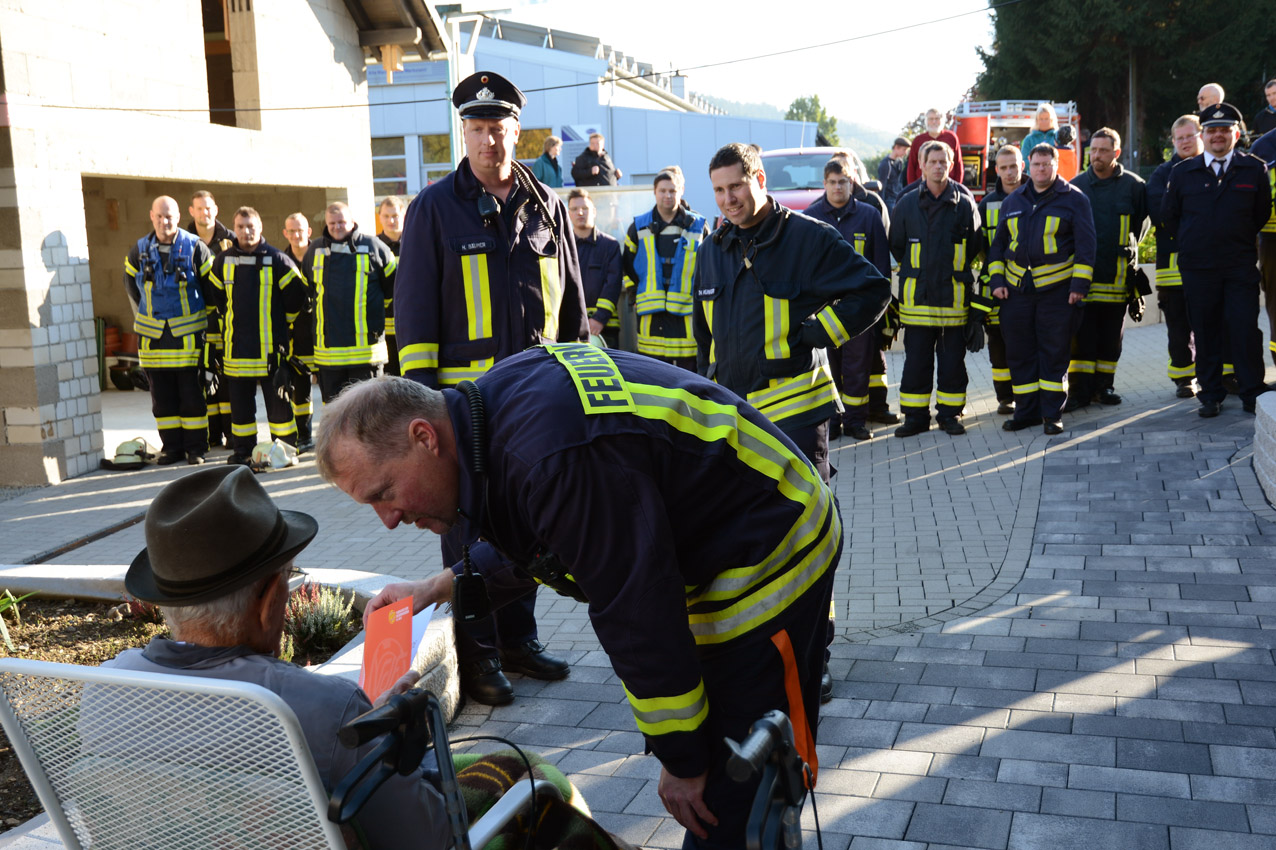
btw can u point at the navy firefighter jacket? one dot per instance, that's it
(1044, 239)
(472, 290)
(685, 517)
(768, 304)
(1217, 221)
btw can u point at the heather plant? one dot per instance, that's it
(317, 622)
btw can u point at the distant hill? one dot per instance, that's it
(865, 141)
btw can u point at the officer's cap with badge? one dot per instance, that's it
(1220, 115)
(486, 94)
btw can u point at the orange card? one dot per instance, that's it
(387, 647)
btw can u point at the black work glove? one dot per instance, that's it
(974, 333)
(212, 372)
(1135, 307)
(889, 324)
(280, 374)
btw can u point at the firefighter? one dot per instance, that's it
(390, 217)
(260, 293)
(1216, 204)
(218, 237)
(301, 350)
(774, 289)
(600, 267)
(853, 364)
(489, 269)
(660, 261)
(935, 238)
(351, 274)
(1009, 167)
(1118, 203)
(1186, 135)
(1040, 265)
(168, 276)
(706, 575)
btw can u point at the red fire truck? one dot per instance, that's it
(984, 127)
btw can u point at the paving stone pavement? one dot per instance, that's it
(1041, 641)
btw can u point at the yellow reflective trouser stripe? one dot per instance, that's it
(877, 379)
(1188, 371)
(283, 429)
(914, 399)
(833, 326)
(421, 355)
(165, 422)
(1106, 367)
(551, 295)
(776, 313)
(663, 715)
(1085, 367)
(1025, 389)
(1000, 374)
(1229, 369)
(1049, 237)
(854, 400)
(302, 409)
(950, 399)
(195, 423)
(1052, 386)
(478, 298)
(787, 397)
(246, 429)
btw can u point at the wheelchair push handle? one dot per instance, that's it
(400, 709)
(748, 757)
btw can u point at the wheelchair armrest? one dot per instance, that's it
(511, 804)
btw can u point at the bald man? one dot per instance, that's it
(168, 275)
(1210, 94)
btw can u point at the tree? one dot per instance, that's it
(810, 109)
(1084, 51)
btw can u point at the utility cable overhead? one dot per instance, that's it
(991, 7)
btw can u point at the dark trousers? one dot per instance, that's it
(392, 348)
(1267, 259)
(1096, 348)
(852, 366)
(513, 619)
(1000, 367)
(924, 347)
(301, 411)
(611, 339)
(813, 442)
(243, 414)
(219, 420)
(1038, 327)
(1222, 307)
(334, 379)
(177, 403)
(743, 680)
(1182, 348)
(877, 373)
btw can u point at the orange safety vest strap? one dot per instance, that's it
(803, 740)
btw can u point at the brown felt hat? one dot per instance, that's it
(210, 533)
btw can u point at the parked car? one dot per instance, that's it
(795, 176)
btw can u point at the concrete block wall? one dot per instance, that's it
(1265, 444)
(101, 92)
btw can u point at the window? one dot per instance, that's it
(217, 64)
(436, 157)
(389, 167)
(531, 142)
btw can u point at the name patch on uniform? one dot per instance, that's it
(596, 377)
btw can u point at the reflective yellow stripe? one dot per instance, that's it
(1082, 367)
(959, 256)
(915, 255)
(362, 262)
(1051, 386)
(1106, 367)
(1170, 275)
(1012, 224)
(195, 423)
(860, 240)
(651, 295)
(1180, 372)
(1124, 232)
(450, 376)
(833, 326)
(478, 298)
(663, 715)
(854, 400)
(598, 382)
(320, 315)
(170, 358)
(302, 409)
(1083, 271)
(246, 429)
(163, 423)
(551, 295)
(421, 355)
(950, 399)
(877, 379)
(786, 397)
(921, 400)
(1270, 226)
(1049, 236)
(1025, 389)
(776, 313)
(283, 429)
(1000, 374)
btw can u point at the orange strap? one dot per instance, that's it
(802, 737)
